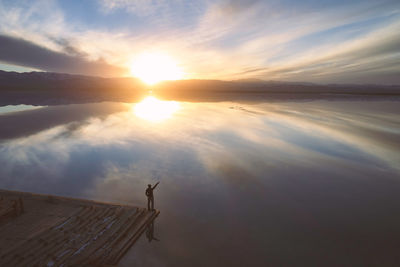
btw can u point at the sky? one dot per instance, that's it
(315, 41)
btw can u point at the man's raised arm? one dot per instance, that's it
(155, 185)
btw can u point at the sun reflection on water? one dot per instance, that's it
(155, 110)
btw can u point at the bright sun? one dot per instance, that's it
(152, 68)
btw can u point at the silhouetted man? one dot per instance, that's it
(150, 197)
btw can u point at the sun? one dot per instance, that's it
(152, 68)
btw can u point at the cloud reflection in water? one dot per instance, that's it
(293, 181)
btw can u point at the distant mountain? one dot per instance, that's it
(259, 81)
(276, 87)
(45, 88)
(58, 88)
(15, 79)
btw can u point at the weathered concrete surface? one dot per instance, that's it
(59, 231)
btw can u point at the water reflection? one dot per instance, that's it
(285, 183)
(150, 231)
(16, 108)
(155, 110)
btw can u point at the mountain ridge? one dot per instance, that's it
(59, 88)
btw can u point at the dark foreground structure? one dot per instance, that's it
(43, 230)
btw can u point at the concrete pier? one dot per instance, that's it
(43, 230)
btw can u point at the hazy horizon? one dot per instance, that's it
(249, 80)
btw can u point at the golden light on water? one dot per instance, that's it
(155, 67)
(155, 110)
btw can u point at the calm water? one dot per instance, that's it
(15, 108)
(242, 184)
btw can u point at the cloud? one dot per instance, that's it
(371, 58)
(228, 39)
(67, 47)
(267, 41)
(24, 53)
(138, 7)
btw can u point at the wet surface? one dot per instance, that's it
(285, 183)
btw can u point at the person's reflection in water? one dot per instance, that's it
(150, 232)
(150, 196)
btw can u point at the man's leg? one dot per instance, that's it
(152, 203)
(148, 203)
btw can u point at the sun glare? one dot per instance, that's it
(152, 109)
(152, 68)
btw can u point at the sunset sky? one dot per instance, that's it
(317, 41)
